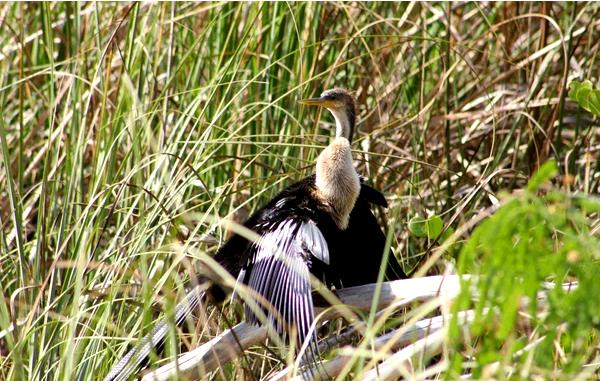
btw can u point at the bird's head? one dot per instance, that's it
(343, 107)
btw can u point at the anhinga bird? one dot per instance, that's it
(322, 225)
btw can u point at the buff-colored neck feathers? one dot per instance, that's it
(337, 180)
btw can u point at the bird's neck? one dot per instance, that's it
(344, 124)
(337, 181)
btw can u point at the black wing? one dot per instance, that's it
(279, 271)
(358, 256)
(371, 195)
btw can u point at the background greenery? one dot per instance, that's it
(130, 132)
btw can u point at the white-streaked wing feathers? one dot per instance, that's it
(136, 356)
(279, 272)
(313, 241)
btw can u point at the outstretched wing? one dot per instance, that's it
(279, 272)
(136, 356)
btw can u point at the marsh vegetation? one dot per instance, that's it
(133, 135)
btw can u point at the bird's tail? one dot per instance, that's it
(135, 357)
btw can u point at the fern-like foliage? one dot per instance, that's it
(541, 235)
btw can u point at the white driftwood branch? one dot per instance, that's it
(212, 354)
(391, 368)
(417, 289)
(223, 348)
(398, 338)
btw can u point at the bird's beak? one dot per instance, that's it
(317, 102)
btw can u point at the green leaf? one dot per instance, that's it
(586, 96)
(430, 227)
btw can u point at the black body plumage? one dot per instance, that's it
(355, 254)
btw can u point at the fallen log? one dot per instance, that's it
(231, 343)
